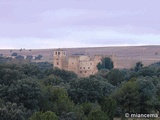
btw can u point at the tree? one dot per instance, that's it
(26, 92)
(67, 76)
(127, 97)
(138, 66)
(11, 111)
(44, 65)
(53, 80)
(100, 66)
(157, 105)
(49, 115)
(147, 92)
(147, 71)
(86, 89)
(20, 57)
(97, 115)
(29, 57)
(106, 63)
(62, 103)
(102, 73)
(38, 57)
(108, 105)
(9, 76)
(31, 70)
(14, 54)
(68, 116)
(115, 77)
(1, 102)
(79, 112)
(89, 90)
(87, 108)
(58, 100)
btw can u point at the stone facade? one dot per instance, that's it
(82, 65)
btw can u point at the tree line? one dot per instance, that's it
(36, 91)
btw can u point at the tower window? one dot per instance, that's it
(85, 71)
(80, 71)
(88, 67)
(83, 67)
(58, 53)
(57, 63)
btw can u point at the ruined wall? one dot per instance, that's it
(73, 64)
(97, 59)
(82, 65)
(86, 66)
(59, 58)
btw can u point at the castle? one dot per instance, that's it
(82, 65)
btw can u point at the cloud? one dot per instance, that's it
(78, 23)
(84, 37)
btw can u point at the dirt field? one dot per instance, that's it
(124, 57)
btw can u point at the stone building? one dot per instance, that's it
(82, 65)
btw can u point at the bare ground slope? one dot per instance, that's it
(125, 57)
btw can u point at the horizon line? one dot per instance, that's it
(144, 45)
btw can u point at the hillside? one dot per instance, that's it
(125, 57)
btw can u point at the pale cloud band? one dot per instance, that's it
(49, 24)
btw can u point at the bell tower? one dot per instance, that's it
(59, 58)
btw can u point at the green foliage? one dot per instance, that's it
(79, 112)
(147, 92)
(1, 55)
(100, 66)
(65, 75)
(147, 71)
(115, 77)
(88, 90)
(108, 105)
(44, 116)
(87, 107)
(38, 88)
(44, 65)
(58, 97)
(26, 92)
(14, 54)
(138, 66)
(1, 102)
(38, 57)
(127, 97)
(11, 111)
(68, 116)
(3, 60)
(29, 57)
(9, 75)
(106, 63)
(97, 115)
(53, 80)
(61, 101)
(103, 73)
(157, 104)
(158, 89)
(31, 70)
(19, 57)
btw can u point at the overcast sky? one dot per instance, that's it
(78, 23)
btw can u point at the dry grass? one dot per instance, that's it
(125, 57)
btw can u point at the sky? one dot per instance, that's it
(43, 24)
